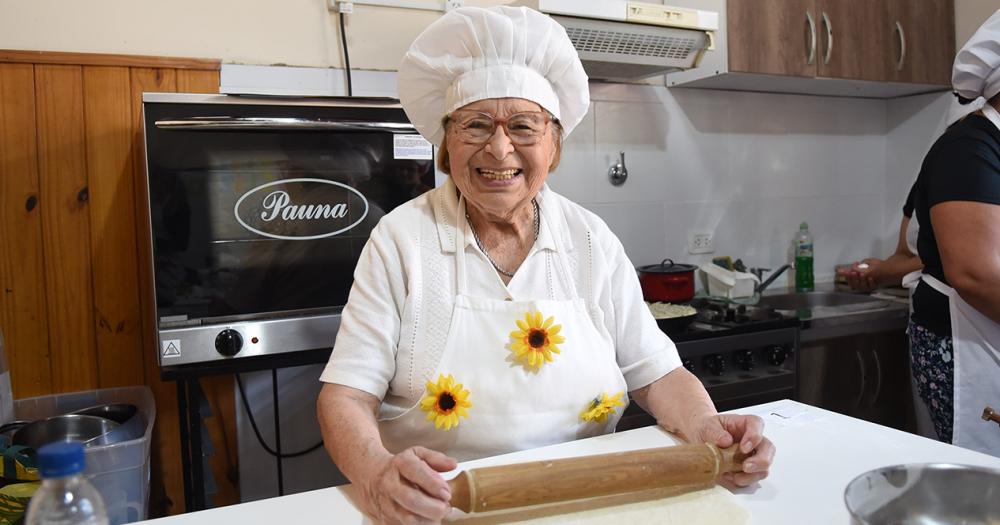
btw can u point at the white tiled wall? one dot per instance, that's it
(747, 168)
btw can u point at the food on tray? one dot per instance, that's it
(670, 310)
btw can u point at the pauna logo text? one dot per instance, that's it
(301, 209)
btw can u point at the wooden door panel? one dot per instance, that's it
(62, 169)
(23, 309)
(107, 106)
(927, 28)
(772, 37)
(197, 81)
(853, 40)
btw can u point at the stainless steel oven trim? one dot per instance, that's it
(196, 344)
(195, 98)
(280, 123)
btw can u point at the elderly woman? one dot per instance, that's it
(491, 314)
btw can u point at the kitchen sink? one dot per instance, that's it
(840, 300)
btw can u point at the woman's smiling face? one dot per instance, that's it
(498, 177)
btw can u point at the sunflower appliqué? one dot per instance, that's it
(601, 406)
(445, 402)
(535, 342)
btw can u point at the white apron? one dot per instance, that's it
(976, 346)
(912, 279)
(514, 407)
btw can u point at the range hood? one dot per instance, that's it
(623, 40)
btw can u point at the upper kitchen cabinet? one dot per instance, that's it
(863, 48)
(774, 37)
(923, 40)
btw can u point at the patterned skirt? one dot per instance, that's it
(931, 359)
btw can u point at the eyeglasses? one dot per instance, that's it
(523, 129)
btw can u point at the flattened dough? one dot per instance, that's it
(709, 506)
(714, 506)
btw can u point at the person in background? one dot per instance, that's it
(491, 314)
(955, 324)
(901, 268)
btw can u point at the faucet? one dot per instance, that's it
(759, 272)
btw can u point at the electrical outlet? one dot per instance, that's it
(452, 4)
(700, 243)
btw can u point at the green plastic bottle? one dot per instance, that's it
(804, 260)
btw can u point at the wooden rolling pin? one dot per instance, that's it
(539, 482)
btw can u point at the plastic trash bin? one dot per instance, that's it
(120, 471)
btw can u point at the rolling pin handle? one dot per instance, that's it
(730, 458)
(461, 491)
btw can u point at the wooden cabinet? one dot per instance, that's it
(852, 39)
(774, 37)
(878, 40)
(922, 40)
(867, 48)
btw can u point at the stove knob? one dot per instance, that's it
(716, 364)
(229, 342)
(744, 358)
(689, 364)
(776, 355)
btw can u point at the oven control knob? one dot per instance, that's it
(776, 355)
(689, 364)
(744, 358)
(229, 342)
(716, 364)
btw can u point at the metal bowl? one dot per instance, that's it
(117, 412)
(89, 430)
(925, 493)
(125, 414)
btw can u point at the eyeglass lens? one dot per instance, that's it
(521, 128)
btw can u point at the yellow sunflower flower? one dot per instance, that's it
(601, 406)
(535, 342)
(445, 402)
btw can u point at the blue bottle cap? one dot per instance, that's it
(61, 459)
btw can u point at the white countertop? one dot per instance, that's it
(818, 453)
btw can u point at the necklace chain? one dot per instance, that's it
(482, 248)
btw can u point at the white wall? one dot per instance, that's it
(746, 167)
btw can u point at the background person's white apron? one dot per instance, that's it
(925, 425)
(514, 408)
(976, 350)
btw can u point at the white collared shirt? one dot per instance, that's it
(398, 315)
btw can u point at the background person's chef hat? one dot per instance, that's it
(977, 65)
(472, 53)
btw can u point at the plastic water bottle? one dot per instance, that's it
(804, 259)
(65, 497)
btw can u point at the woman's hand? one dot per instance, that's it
(863, 276)
(724, 430)
(407, 487)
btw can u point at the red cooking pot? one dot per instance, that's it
(667, 282)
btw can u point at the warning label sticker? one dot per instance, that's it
(411, 147)
(171, 348)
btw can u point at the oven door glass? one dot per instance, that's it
(266, 221)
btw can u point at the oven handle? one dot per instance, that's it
(281, 123)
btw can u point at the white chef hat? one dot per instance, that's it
(977, 65)
(473, 53)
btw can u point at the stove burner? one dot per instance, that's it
(728, 314)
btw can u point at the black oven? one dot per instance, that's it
(259, 209)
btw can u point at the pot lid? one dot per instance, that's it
(668, 266)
